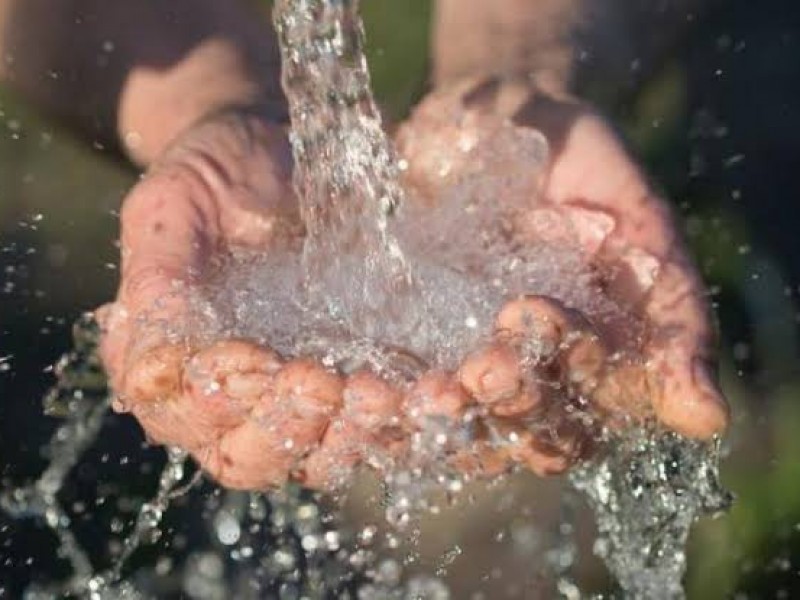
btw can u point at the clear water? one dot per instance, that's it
(646, 491)
(386, 280)
(378, 268)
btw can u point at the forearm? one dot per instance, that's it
(138, 71)
(565, 44)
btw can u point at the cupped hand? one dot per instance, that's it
(592, 189)
(244, 413)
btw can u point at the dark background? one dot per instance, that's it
(717, 127)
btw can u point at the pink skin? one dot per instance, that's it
(437, 394)
(492, 374)
(366, 429)
(285, 425)
(253, 422)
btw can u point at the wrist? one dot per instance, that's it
(157, 106)
(600, 48)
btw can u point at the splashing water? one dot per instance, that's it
(81, 399)
(255, 544)
(345, 174)
(380, 270)
(646, 492)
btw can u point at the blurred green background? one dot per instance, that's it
(717, 128)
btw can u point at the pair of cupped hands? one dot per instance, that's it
(253, 419)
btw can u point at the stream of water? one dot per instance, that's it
(384, 281)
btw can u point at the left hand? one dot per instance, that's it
(626, 234)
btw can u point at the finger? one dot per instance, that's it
(437, 394)
(223, 383)
(331, 465)
(369, 429)
(151, 391)
(522, 449)
(684, 392)
(167, 423)
(483, 459)
(283, 429)
(309, 389)
(370, 402)
(492, 374)
(623, 394)
(582, 359)
(545, 331)
(248, 457)
(523, 403)
(374, 407)
(546, 448)
(154, 376)
(538, 321)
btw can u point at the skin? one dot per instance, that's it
(204, 121)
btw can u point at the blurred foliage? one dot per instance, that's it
(58, 199)
(397, 50)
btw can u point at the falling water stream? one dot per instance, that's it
(373, 285)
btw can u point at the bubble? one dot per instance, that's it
(228, 528)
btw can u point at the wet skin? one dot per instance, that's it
(254, 419)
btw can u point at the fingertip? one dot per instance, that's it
(309, 387)
(155, 375)
(437, 394)
(534, 317)
(370, 402)
(492, 374)
(688, 401)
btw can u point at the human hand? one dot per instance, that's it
(223, 184)
(592, 188)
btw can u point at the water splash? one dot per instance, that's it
(345, 173)
(81, 399)
(288, 543)
(146, 527)
(646, 490)
(370, 277)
